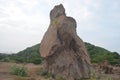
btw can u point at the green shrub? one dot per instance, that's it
(6, 59)
(43, 72)
(46, 74)
(93, 76)
(37, 61)
(109, 78)
(19, 71)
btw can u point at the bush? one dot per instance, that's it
(46, 74)
(43, 72)
(6, 59)
(19, 71)
(93, 75)
(37, 61)
(19, 60)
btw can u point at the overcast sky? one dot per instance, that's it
(24, 22)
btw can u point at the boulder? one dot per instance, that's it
(63, 51)
(105, 67)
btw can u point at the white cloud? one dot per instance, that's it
(18, 29)
(24, 22)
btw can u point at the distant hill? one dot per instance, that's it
(98, 54)
(3, 55)
(32, 55)
(28, 55)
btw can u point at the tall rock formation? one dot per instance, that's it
(63, 51)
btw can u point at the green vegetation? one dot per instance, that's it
(19, 71)
(46, 74)
(4, 57)
(32, 55)
(29, 55)
(43, 72)
(55, 22)
(98, 54)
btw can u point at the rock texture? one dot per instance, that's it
(63, 51)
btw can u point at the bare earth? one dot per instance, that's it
(34, 70)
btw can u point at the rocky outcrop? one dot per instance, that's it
(63, 51)
(105, 67)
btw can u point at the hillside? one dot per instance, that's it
(28, 55)
(32, 55)
(98, 54)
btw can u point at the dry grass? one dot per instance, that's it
(34, 73)
(32, 70)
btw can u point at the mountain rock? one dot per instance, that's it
(63, 51)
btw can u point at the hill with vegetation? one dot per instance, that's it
(28, 55)
(32, 55)
(99, 54)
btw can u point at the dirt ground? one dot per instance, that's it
(34, 70)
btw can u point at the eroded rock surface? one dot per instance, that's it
(63, 51)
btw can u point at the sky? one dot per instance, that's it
(24, 22)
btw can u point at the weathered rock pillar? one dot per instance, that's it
(63, 51)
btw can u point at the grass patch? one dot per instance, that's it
(19, 71)
(24, 78)
(60, 78)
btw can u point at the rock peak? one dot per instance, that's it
(57, 11)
